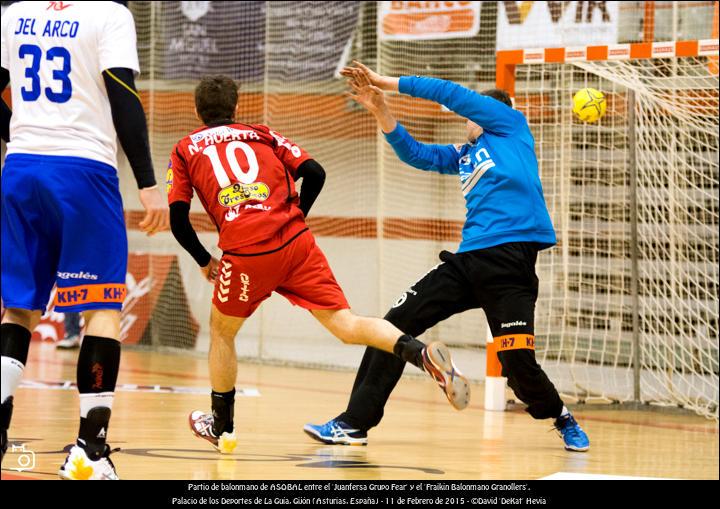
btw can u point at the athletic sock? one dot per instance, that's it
(15, 344)
(564, 412)
(223, 410)
(97, 372)
(410, 350)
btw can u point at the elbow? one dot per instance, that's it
(311, 168)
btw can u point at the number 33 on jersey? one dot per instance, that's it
(245, 178)
(56, 53)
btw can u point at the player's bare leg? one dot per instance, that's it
(17, 327)
(222, 356)
(381, 334)
(97, 371)
(218, 428)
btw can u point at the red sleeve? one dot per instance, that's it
(291, 155)
(177, 180)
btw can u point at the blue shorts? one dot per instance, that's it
(62, 222)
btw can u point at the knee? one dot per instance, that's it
(23, 317)
(342, 323)
(222, 332)
(104, 323)
(346, 328)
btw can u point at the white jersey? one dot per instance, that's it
(56, 53)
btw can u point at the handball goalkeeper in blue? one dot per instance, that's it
(507, 223)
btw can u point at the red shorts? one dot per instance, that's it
(299, 272)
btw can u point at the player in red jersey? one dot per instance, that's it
(245, 178)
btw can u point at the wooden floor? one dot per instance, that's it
(421, 437)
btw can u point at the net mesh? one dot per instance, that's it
(654, 165)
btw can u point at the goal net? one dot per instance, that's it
(628, 307)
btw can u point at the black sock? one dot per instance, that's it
(14, 345)
(223, 409)
(97, 371)
(15, 341)
(410, 350)
(6, 409)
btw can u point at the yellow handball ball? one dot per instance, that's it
(589, 105)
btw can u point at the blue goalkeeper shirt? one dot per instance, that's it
(498, 173)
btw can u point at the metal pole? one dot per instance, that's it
(635, 254)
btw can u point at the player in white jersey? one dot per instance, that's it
(72, 67)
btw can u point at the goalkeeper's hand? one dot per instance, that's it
(371, 98)
(372, 78)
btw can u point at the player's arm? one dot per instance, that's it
(5, 112)
(439, 158)
(300, 165)
(184, 233)
(488, 113)
(118, 63)
(313, 176)
(180, 193)
(131, 127)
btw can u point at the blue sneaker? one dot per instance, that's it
(572, 434)
(336, 432)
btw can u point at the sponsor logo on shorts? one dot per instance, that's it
(237, 194)
(85, 294)
(512, 324)
(403, 298)
(77, 275)
(245, 288)
(515, 342)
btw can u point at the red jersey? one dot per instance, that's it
(245, 178)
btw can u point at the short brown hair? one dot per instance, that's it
(498, 94)
(215, 98)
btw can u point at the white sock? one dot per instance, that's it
(12, 370)
(94, 400)
(564, 412)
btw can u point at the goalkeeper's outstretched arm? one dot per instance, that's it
(492, 115)
(439, 158)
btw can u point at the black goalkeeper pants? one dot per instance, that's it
(501, 280)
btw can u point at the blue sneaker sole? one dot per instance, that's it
(576, 449)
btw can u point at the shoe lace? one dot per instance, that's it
(207, 422)
(567, 426)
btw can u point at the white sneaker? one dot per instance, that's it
(78, 467)
(68, 343)
(201, 425)
(439, 365)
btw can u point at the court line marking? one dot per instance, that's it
(575, 476)
(68, 385)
